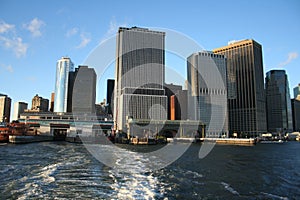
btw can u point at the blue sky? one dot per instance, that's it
(35, 34)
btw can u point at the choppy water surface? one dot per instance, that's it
(56, 170)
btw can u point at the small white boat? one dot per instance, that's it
(271, 141)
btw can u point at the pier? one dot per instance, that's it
(229, 141)
(23, 139)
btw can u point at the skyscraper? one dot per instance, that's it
(109, 95)
(84, 90)
(170, 90)
(207, 91)
(19, 108)
(5, 107)
(139, 76)
(297, 92)
(245, 87)
(39, 104)
(279, 111)
(296, 108)
(296, 114)
(63, 67)
(52, 102)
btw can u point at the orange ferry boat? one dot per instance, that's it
(4, 133)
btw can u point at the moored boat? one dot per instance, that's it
(4, 133)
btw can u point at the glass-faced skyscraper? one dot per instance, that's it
(206, 75)
(245, 83)
(279, 111)
(139, 76)
(63, 67)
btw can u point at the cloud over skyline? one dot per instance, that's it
(85, 39)
(34, 27)
(7, 68)
(112, 29)
(71, 32)
(4, 27)
(291, 57)
(15, 44)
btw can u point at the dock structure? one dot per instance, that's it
(229, 141)
(233, 141)
(144, 128)
(23, 139)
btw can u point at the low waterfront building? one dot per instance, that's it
(68, 123)
(144, 128)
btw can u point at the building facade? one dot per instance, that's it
(19, 107)
(245, 87)
(84, 90)
(39, 104)
(52, 102)
(207, 91)
(110, 95)
(63, 67)
(296, 114)
(297, 92)
(278, 101)
(171, 90)
(5, 107)
(139, 76)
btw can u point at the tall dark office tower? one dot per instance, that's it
(84, 90)
(296, 114)
(207, 91)
(139, 76)
(71, 82)
(245, 87)
(109, 95)
(279, 112)
(5, 107)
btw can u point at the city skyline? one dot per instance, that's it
(31, 42)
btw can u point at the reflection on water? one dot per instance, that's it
(62, 170)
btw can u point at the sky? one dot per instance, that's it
(35, 34)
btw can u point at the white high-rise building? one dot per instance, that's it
(19, 108)
(63, 67)
(139, 76)
(207, 91)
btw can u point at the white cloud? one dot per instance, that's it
(4, 27)
(291, 56)
(72, 32)
(31, 78)
(8, 68)
(84, 41)
(112, 29)
(16, 44)
(34, 27)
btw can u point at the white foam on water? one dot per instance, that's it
(273, 196)
(229, 188)
(134, 183)
(195, 174)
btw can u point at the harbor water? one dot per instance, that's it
(61, 170)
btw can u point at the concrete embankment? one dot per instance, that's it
(230, 141)
(22, 139)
